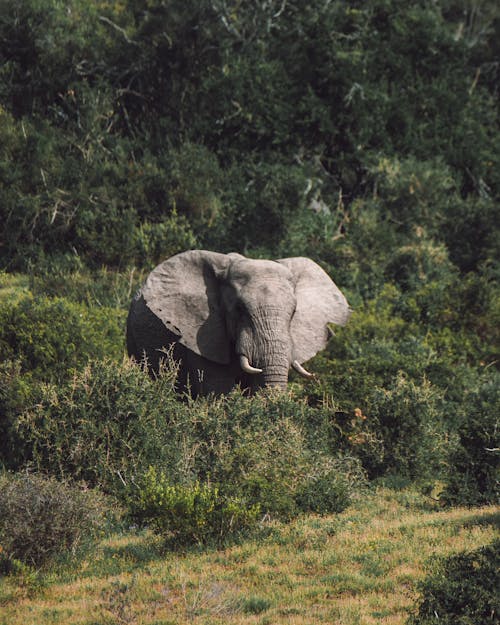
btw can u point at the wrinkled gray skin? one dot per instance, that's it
(213, 308)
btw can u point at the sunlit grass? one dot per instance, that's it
(13, 286)
(356, 568)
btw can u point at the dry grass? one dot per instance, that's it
(356, 568)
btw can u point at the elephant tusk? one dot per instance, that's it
(300, 369)
(247, 367)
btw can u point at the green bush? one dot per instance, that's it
(286, 465)
(377, 343)
(190, 513)
(404, 429)
(473, 471)
(463, 590)
(263, 105)
(261, 202)
(265, 463)
(102, 427)
(68, 277)
(110, 422)
(41, 518)
(408, 418)
(17, 392)
(51, 337)
(330, 486)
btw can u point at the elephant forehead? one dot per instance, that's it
(246, 270)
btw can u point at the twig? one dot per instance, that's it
(119, 29)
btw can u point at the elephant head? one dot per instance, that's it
(260, 316)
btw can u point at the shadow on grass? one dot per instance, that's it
(132, 552)
(488, 517)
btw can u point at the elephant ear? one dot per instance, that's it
(319, 302)
(183, 292)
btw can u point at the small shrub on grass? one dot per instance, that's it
(255, 605)
(193, 513)
(41, 518)
(331, 485)
(463, 590)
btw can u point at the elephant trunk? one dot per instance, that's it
(266, 343)
(275, 365)
(275, 376)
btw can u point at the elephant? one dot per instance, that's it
(230, 320)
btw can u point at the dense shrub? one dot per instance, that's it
(287, 461)
(101, 427)
(190, 513)
(411, 362)
(115, 114)
(408, 418)
(41, 518)
(111, 422)
(266, 462)
(119, 210)
(50, 337)
(400, 424)
(473, 472)
(69, 278)
(330, 485)
(16, 393)
(463, 590)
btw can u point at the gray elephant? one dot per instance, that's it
(233, 320)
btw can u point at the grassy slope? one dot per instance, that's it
(359, 567)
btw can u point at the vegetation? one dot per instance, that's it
(463, 590)
(364, 135)
(360, 566)
(193, 513)
(41, 517)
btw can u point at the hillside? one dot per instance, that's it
(361, 566)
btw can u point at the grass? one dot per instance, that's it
(13, 287)
(356, 568)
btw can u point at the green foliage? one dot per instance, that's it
(131, 130)
(191, 513)
(16, 393)
(408, 418)
(463, 590)
(433, 335)
(68, 277)
(263, 200)
(281, 465)
(363, 135)
(255, 605)
(267, 463)
(50, 337)
(415, 193)
(118, 212)
(101, 427)
(110, 422)
(41, 518)
(330, 486)
(473, 472)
